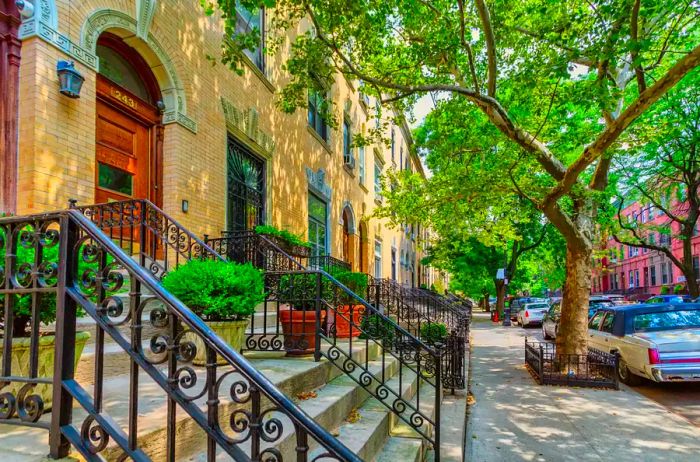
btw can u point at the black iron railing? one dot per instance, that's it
(348, 330)
(240, 411)
(328, 263)
(596, 369)
(414, 308)
(143, 230)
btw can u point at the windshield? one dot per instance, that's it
(538, 306)
(667, 320)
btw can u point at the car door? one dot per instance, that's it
(595, 339)
(605, 335)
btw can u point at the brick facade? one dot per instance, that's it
(57, 134)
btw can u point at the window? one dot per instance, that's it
(646, 277)
(652, 275)
(348, 159)
(594, 323)
(664, 274)
(393, 264)
(252, 22)
(361, 155)
(652, 238)
(607, 324)
(378, 259)
(401, 157)
(377, 180)
(393, 145)
(696, 267)
(631, 279)
(667, 320)
(636, 278)
(317, 106)
(318, 211)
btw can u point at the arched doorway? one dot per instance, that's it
(349, 236)
(129, 130)
(364, 248)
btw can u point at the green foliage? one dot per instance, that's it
(217, 290)
(299, 290)
(433, 332)
(290, 238)
(356, 282)
(376, 327)
(665, 290)
(678, 289)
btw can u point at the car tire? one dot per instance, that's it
(626, 376)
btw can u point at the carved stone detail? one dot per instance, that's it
(317, 183)
(247, 122)
(145, 9)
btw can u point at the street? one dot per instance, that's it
(681, 398)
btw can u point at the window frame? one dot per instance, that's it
(319, 124)
(258, 59)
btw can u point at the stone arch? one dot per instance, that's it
(349, 236)
(349, 212)
(126, 27)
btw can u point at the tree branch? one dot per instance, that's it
(634, 35)
(465, 44)
(628, 116)
(490, 45)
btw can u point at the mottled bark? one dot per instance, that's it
(500, 295)
(572, 335)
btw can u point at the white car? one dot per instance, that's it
(660, 342)
(532, 313)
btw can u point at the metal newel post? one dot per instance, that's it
(438, 402)
(317, 346)
(540, 364)
(72, 203)
(64, 364)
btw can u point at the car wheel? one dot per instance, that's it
(625, 376)
(545, 334)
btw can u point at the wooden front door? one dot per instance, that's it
(127, 130)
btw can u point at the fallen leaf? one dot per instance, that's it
(470, 400)
(353, 417)
(304, 395)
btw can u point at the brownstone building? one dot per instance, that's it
(156, 119)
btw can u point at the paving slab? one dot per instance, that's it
(515, 419)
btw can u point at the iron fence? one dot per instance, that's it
(243, 414)
(597, 369)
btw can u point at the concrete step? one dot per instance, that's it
(401, 449)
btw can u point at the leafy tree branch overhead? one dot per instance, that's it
(560, 81)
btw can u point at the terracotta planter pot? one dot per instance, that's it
(342, 321)
(47, 347)
(231, 332)
(299, 328)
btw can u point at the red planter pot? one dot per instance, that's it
(342, 321)
(299, 328)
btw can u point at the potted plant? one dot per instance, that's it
(349, 310)
(223, 294)
(378, 328)
(297, 312)
(665, 290)
(289, 242)
(21, 335)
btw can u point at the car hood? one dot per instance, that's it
(673, 340)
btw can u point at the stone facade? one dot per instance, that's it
(204, 104)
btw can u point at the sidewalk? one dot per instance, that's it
(514, 419)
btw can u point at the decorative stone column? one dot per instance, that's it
(9, 93)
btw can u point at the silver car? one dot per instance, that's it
(532, 313)
(659, 342)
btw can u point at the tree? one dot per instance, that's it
(542, 73)
(666, 178)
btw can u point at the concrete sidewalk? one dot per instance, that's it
(515, 419)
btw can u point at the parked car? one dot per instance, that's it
(617, 299)
(660, 342)
(666, 299)
(532, 313)
(550, 321)
(597, 302)
(519, 303)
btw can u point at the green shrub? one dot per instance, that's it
(377, 328)
(217, 290)
(678, 289)
(290, 238)
(357, 282)
(433, 332)
(665, 290)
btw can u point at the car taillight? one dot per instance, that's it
(527, 314)
(654, 356)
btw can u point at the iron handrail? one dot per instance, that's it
(213, 341)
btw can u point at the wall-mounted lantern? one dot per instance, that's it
(70, 80)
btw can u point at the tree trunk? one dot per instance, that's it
(690, 282)
(500, 295)
(487, 305)
(572, 335)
